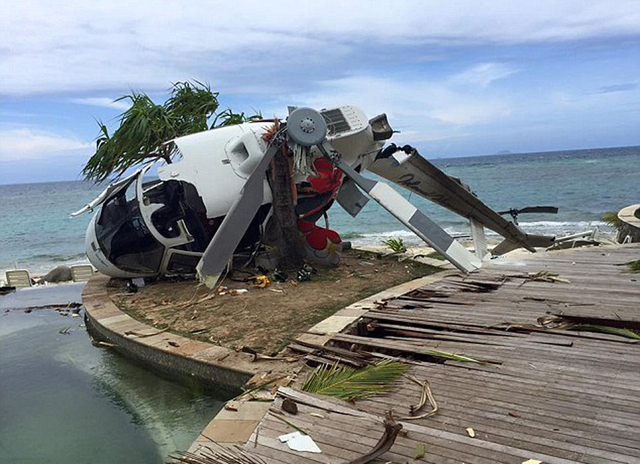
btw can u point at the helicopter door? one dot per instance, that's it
(177, 262)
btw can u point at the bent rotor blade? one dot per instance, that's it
(539, 209)
(414, 219)
(419, 175)
(235, 223)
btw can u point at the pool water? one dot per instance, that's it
(63, 400)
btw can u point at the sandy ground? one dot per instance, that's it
(264, 319)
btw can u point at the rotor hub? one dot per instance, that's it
(306, 127)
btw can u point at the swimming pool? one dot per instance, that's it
(63, 400)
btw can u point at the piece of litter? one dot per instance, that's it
(238, 291)
(231, 406)
(315, 414)
(298, 442)
(471, 432)
(531, 461)
(419, 451)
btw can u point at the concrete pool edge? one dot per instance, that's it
(166, 352)
(213, 364)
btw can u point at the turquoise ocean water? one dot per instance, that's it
(37, 233)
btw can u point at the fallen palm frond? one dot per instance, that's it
(217, 454)
(611, 218)
(350, 384)
(634, 266)
(628, 333)
(452, 356)
(567, 324)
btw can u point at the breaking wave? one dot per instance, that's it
(556, 228)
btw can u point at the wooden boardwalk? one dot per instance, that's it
(542, 392)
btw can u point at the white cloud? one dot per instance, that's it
(422, 110)
(484, 74)
(85, 46)
(103, 102)
(20, 144)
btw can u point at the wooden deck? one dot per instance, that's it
(544, 393)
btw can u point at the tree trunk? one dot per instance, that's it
(290, 249)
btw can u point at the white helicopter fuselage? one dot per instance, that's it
(132, 234)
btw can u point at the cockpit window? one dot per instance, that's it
(179, 202)
(123, 236)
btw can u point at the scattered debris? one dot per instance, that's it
(541, 276)
(290, 406)
(261, 281)
(101, 344)
(419, 451)
(426, 394)
(234, 291)
(133, 333)
(299, 442)
(532, 461)
(471, 432)
(214, 453)
(391, 430)
(231, 405)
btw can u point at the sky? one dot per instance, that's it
(456, 78)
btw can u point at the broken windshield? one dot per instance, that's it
(123, 235)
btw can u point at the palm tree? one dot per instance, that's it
(146, 127)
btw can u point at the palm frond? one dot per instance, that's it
(351, 384)
(452, 356)
(145, 127)
(611, 218)
(622, 332)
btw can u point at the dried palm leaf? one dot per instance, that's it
(217, 454)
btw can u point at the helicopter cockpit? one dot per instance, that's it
(147, 228)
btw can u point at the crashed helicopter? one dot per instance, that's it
(216, 201)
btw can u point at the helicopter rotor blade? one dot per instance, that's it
(226, 239)
(539, 209)
(412, 218)
(532, 209)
